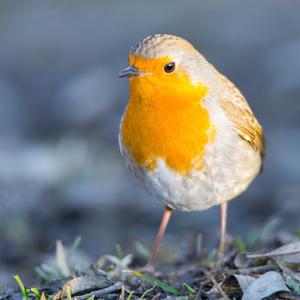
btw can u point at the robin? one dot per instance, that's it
(187, 134)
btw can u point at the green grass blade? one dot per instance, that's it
(24, 291)
(36, 293)
(188, 288)
(74, 246)
(142, 250)
(130, 296)
(209, 258)
(42, 274)
(119, 252)
(68, 293)
(240, 245)
(157, 282)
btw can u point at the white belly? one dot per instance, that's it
(222, 178)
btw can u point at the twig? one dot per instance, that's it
(43, 297)
(286, 296)
(113, 288)
(258, 269)
(122, 296)
(217, 286)
(148, 291)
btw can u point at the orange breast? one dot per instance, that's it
(165, 119)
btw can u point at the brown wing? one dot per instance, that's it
(241, 115)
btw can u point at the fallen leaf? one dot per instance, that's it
(244, 281)
(286, 250)
(264, 286)
(85, 284)
(234, 285)
(289, 253)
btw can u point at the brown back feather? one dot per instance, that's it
(242, 117)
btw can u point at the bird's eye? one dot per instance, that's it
(170, 67)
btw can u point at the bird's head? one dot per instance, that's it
(167, 65)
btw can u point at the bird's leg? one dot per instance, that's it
(163, 225)
(223, 211)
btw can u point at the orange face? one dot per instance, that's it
(165, 118)
(155, 79)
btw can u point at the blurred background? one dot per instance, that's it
(61, 174)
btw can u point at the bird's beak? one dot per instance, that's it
(130, 71)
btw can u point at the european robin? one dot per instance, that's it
(187, 134)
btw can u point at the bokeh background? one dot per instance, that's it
(61, 174)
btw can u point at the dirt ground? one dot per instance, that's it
(265, 265)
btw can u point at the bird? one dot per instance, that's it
(187, 134)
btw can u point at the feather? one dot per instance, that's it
(242, 117)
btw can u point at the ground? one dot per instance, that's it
(262, 266)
